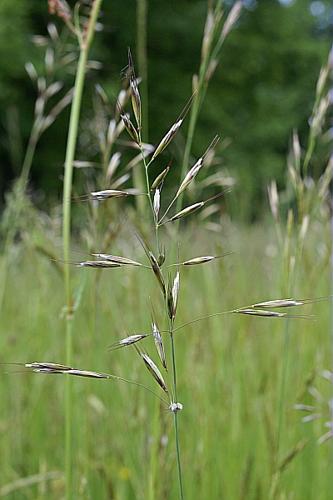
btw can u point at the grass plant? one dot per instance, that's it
(203, 326)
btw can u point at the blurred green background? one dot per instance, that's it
(263, 89)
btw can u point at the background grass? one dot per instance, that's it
(229, 376)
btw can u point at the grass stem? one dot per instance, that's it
(66, 229)
(174, 377)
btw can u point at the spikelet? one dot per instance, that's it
(186, 211)
(55, 368)
(157, 271)
(278, 303)
(191, 174)
(152, 368)
(132, 339)
(200, 260)
(117, 259)
(105, 264)
(130, 128)
(108, 193)
(158, 182)
(173, 293)
(135, 95)
(167, 138)
(260, 312)
(157, 203)
(159, 344)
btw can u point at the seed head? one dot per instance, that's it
(108, 193)
(157, 203)
(173, 293)
(135, 95)
(167, 138)
(117, 259)
(159, 344)
(157, 271)
(98, 263)
(190, 176)
(279, 303)
(199, 260)
(155, 372)
(54, 368)
(130, 128)
(187, 211)
(132, 339)
(260, 312)
(158, 182)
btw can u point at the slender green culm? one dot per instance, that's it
(175, 415)
(85, 44)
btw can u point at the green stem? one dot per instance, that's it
(175, 414)
(66, 230)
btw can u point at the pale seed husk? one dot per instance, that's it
(130, 128)
(117, 259)
(132, 339)
(98, 264)
(154, 265)
(157, 271)
(55, 368)
(87, 373)
(172, 300)
(260, 312)
(51, 366)
(157, 203)
(167, 138)
(155, 372)
(159, 344)
(136, 101)
(160, 178)
(108, 193)
(135, 95)
(186, 211)
(279, 303)
(175, 292)
(199, 260)
(191, 174)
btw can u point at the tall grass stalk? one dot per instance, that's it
(85, 43)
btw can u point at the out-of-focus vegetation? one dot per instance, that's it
(229, 372)
(263, 87)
